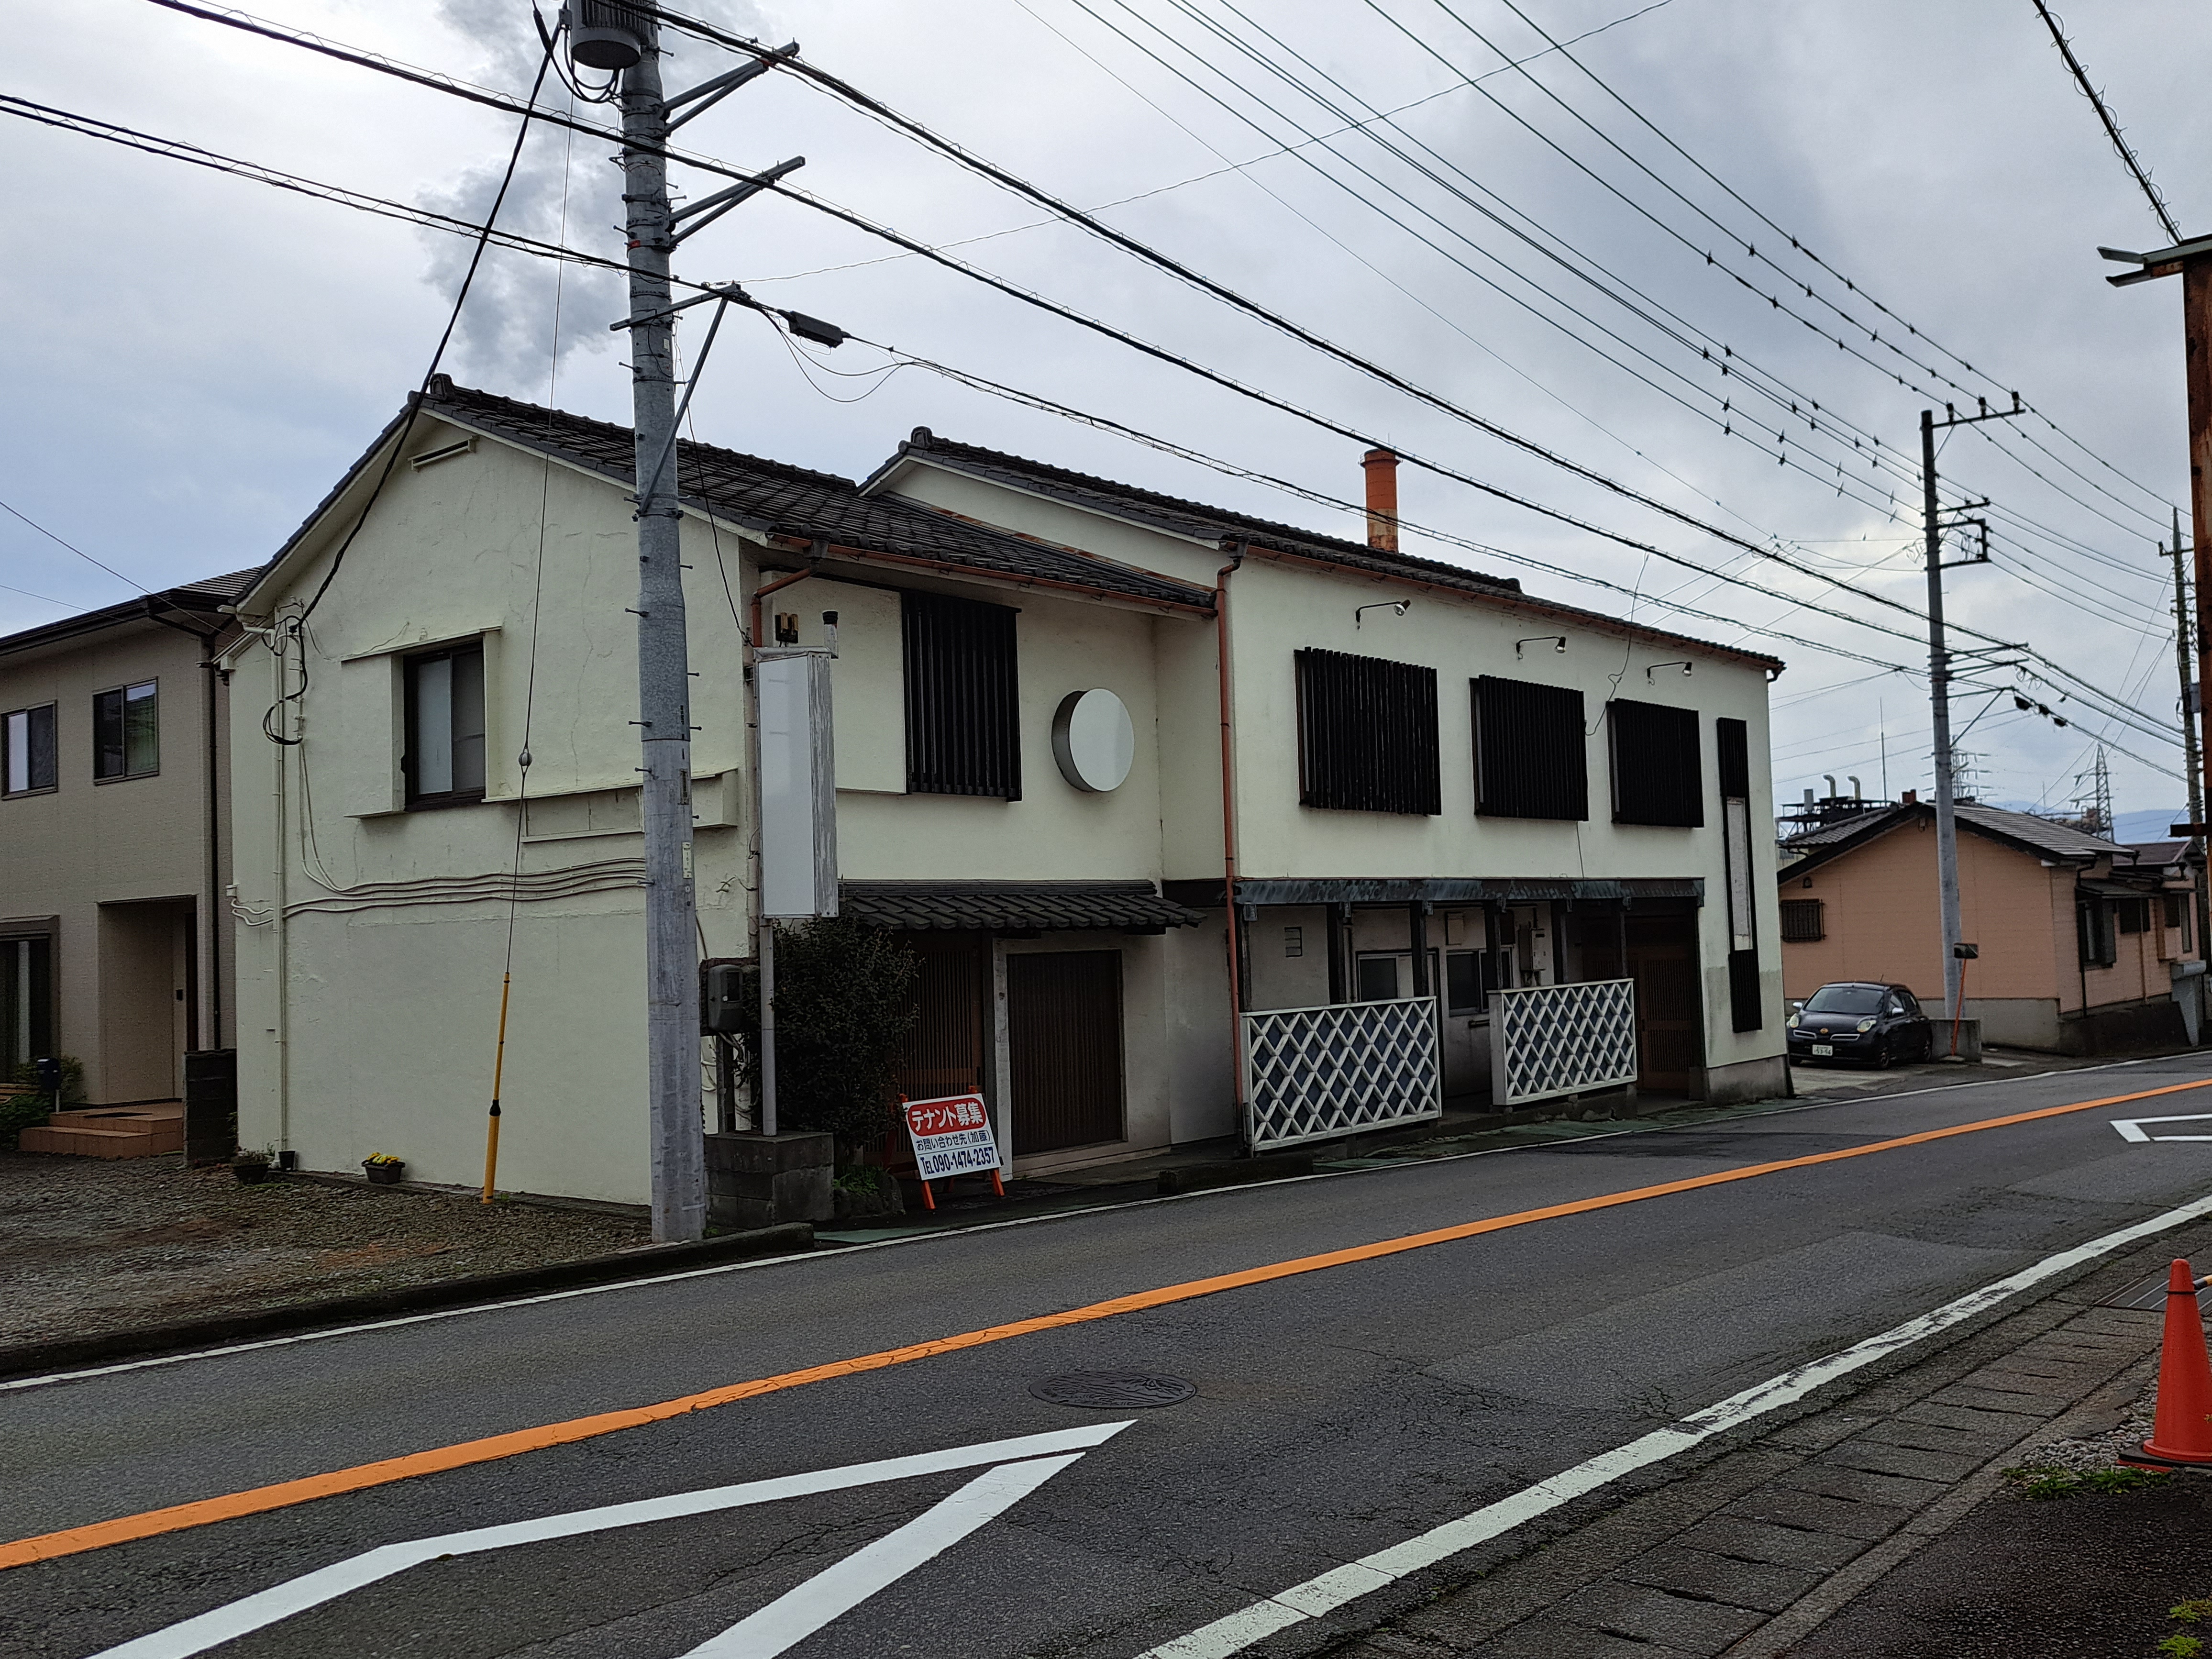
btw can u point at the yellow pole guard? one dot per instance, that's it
(498, 1073)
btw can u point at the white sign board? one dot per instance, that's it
(798, 784)
(950, 1137)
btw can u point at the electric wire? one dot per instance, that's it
(496, 100)
(13, 513)
(438, 82)
(1796, 244)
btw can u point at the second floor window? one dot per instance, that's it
(1528, 755)
(445, 760)
(27, 736)
(126, 732)
(1367, 734)
(962, 697)
(1658, 773)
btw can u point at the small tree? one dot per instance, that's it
(844, 1005)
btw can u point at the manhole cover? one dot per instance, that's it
(1113, 1391)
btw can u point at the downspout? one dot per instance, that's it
(1233, 924)
(211, 877)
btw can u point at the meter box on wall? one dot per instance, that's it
(798, 785)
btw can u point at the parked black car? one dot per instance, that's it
(1858, 1019)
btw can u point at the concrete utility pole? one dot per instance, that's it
(1938, 702)
(663, 683)
(1939, 692)
(2189, 697)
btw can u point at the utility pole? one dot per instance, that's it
(2190, 698)
(2193, 261)
(664, 682)
(1939, 690)
(608, 35)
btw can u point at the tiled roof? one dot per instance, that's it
(1214, 525)
(1177, 517)
(198, 597)
(778, 499)
(2056, 840)
(1013, 906)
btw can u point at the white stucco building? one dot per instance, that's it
(1452, 798)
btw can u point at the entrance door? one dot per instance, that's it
(945, 1053)
(1064, 1048)
(1662, 960)
(145, 999)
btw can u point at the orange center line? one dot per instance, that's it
(283, 1494)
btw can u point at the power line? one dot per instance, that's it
(73, 547)
(1796, 244)
(1106, 232)
(2111, 127)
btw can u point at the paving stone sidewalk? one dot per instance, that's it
(1748, 1555)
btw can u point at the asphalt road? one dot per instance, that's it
(1337, 1411)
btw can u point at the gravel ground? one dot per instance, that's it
(92, 1245)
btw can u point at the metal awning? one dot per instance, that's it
(1014, 907)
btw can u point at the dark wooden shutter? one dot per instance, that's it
(962, 707)
(1064, 1048)
(1367, 734)
(1528, 750)
(1657, 771)
(943, 1051)
(1801, 921)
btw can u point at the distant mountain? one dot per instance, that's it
(2147, 826)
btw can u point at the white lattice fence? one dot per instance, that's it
(1549, 1040)
(1313, 1073)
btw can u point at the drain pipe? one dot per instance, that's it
(1234, 924)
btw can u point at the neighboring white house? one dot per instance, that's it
(1442, 798)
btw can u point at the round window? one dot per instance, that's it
(1093, 740)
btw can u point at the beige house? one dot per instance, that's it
(1435, 792)
(2083, 941)
(114, 826)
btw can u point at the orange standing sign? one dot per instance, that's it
(952, 1136)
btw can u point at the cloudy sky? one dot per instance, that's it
(1572, 249)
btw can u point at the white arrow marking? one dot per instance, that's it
(847, 1583)
(2131, 1128)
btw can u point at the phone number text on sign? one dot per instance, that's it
(950, 1137)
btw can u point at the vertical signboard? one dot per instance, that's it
(798, 785)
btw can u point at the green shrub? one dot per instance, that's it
(26, 1073)
(844, 1005)
(22, 1112)
(2181, 1647)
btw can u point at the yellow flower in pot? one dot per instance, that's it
(383, 1168)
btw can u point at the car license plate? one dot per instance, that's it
(1825, 1050)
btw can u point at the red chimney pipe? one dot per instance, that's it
(1382, 466)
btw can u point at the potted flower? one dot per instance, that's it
(383, 1168)
(250, 1165)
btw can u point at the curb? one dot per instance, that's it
(642, 1262)
(1238, 1172)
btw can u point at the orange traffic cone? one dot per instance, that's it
(2181, 1431)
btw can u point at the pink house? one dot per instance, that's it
(2082, 939)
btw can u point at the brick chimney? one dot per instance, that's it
(1381, 467)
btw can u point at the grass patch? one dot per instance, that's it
(2046, 1483)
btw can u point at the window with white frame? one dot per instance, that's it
(27, 750)
(444, 761)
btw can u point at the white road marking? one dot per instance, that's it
(253, 1613)
(1332, 1590)
(2131, 1128)
(88, 1373)
(798, 1613)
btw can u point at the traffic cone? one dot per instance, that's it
(2181, 1430)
